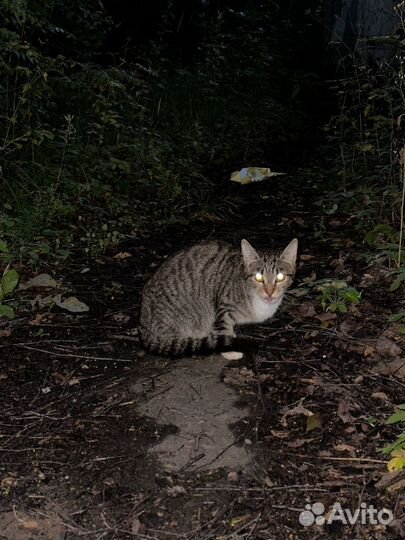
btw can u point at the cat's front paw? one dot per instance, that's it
(232, 355)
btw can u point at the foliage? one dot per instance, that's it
(8, 283)
(369, 131)
(96, 145)
(397, 448)
(336, 296)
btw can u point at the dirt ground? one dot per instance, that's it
(99, 440)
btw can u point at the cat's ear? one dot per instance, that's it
(289, 255)
(249, 254)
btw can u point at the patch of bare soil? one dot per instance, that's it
(192, 397)
(100, 441)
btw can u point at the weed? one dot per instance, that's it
(8, 283)
(336, 296)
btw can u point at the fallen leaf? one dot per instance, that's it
(268, 482)
(397, 462)
(29, 524)
(307, 310)
(343, 412)
(121, 318)
(368, 350)
(239, 520)
(5, 333)
(380, 396)
(45, 301)
(387, 347)
(345, 448)
(394, 367)
(391, 481)
(314, 422)
(295, 411)
(305, 257)
(122, 256)
(351, 327)
(136, 526)
(39, 318)
(238, 377)
(280, 434)
(310, 279)
(8, 481)
(41, 280)
(176, 491)
(73, 305)
(326, 318)
(298, 443)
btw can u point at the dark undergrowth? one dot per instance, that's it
(102, 140)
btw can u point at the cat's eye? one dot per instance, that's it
(259, 277)
(280, 277)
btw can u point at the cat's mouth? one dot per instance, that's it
(271, 300)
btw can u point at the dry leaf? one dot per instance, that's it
(280, 434)
(298, 443)
(380, 395)
(41, 280)
(73, 305)
(136, 526)
(307, 310)
(394, 367)
(295, 411)
(368, 350)
(343, 412)
(39, 318)
(305, 257)
(121, 318)
(314, 422)
(345, 448)
(5, 333)
(387, 347)
(122, 255)
(268, 482)
(176, 491)
(30, 524)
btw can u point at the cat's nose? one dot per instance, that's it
(269, 289)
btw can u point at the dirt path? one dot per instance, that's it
(100, 441)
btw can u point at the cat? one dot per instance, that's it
(198, 295)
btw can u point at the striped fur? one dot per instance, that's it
(195, 299)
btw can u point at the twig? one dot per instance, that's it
(81, 356)
(126, 338)
(261, 489)
(401, 229)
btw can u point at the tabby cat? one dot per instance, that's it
(197, 296)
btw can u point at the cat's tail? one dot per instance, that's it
(179, 346)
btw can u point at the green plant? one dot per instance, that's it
(396, 449)
(8, 283)
(336, 296)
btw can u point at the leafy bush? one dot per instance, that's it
(96, 138)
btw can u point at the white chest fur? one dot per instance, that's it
(263, 310)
